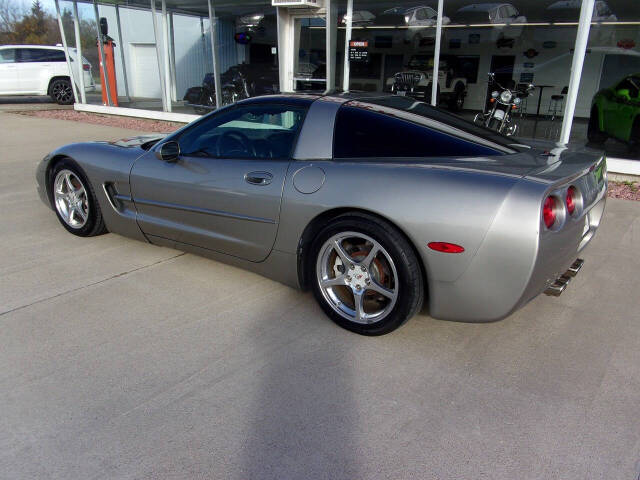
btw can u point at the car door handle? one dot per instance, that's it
(258, 178)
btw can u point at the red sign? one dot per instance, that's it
(627, 44)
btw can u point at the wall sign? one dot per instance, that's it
(526, 77)
(358, 51)
(626, 44)
(549, 44)
(528, 64)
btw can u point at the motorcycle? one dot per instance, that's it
(502, 103)
(237, 83)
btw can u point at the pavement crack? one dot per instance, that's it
(104, 280)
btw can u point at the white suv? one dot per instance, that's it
(40, 70)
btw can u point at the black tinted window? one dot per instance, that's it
(41, 55)
(361, 133)
(7, 55)
(252, 131)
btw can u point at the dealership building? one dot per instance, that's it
(228, 50)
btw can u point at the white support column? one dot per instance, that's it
(165, 58)
(331, 32)
(101, 51)
(346, 69)
(586, 13)
(74, 85)
(172, 59)
(163, 89)
(436, 56)
(124, 62)
(76, 32)
(214, 53)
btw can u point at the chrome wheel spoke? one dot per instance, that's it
(69, 185)
(375, 287)
(371, 255)
(344, 256)
(358, 300)
(332, 282)
(80, 212)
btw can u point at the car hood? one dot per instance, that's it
(142, 141)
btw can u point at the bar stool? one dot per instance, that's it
(556, 105)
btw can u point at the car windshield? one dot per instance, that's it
(471, 16)
(425, 110)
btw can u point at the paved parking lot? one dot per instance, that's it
(119, 359)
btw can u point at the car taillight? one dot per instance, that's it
(572, 199)
(549, 211)
(86, 67)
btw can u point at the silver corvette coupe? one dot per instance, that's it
(379, 204)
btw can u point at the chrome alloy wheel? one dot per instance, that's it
(71, 199)
(357, 277)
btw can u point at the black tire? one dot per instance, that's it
(594, 134)
(62, 91)
(494, 124)
(410, 282)
(457, 100)
(94, 224)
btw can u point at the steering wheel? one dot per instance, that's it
(242, 145)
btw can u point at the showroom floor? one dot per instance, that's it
(119, 359)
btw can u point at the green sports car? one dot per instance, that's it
(615, 112)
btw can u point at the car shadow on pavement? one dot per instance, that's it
(304, 420)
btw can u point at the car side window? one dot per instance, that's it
(251, 131)
(361, 133)
(8, 55)
(29, 55)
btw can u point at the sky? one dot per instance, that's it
(84, 10)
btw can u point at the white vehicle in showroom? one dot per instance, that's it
(40, 70)
(417, 77)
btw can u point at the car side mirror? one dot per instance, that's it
(624, 93)
(169, 151)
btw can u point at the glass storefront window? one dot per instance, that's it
(487, 48)
(608, 108)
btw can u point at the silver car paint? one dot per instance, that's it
(491, 206)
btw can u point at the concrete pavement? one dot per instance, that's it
(120, 359)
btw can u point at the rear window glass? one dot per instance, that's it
(41, 55)
(362, 133)
(422, 109)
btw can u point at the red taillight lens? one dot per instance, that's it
(446, 247)
(86, 67)
(549, 212)
(572, 199)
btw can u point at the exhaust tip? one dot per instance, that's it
(575, 268)
(559, 286)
